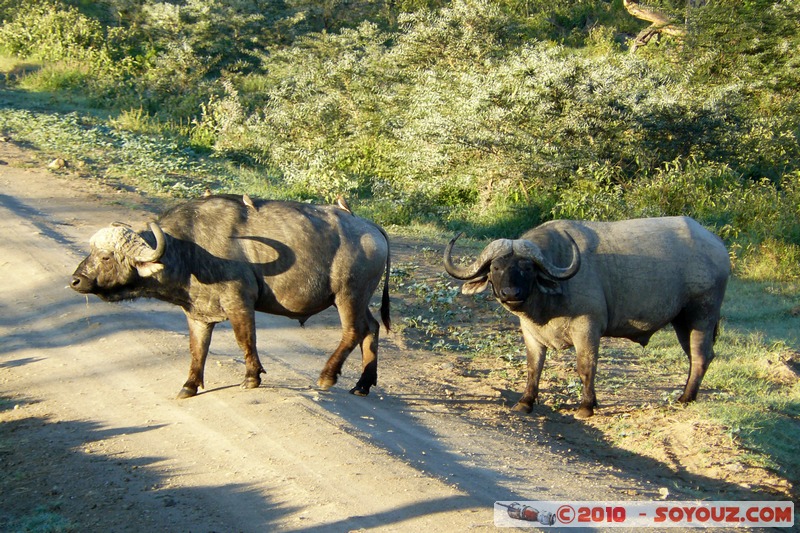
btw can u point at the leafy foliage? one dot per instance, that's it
(482, 115)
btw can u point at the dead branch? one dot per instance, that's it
(659, 23)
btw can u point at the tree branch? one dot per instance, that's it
(659, 23)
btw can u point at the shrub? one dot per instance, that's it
(50, 31)
(477, 114)
(594, 194)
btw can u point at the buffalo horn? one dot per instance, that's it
(527, 249)
(151, 255)
(497, 248)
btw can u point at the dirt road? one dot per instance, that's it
(90, 429)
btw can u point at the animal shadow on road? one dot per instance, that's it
(508, 456)
(470, 442)
(61, 476)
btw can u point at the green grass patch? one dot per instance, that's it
(768, 429)
(155, 164)
(44, 519)
(767, 310)
(752, 387)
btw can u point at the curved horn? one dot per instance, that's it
(530, 250)
(494, 249)
(151, 255)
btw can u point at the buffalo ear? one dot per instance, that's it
(549, 286)
(149, 269)
(475, 286)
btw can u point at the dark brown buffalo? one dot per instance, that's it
(224, 257)
(571, 283)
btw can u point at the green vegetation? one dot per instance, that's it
(478, 115)
(754, 379)
(43, 520)
(475, 115)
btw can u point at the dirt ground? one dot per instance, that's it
(91, 433)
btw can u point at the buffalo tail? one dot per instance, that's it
(387, 320)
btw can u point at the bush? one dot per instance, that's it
(757, 219)
(52, 31)
(473, 113)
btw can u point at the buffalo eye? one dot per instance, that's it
(526, 266)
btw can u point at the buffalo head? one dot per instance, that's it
(118, 256)
(514, 268)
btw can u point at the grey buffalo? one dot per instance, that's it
(224, 257)
(571, 283)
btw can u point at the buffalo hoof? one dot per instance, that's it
(251, 383)
(186, 392)
(360, 390)
(584, 412)
(325, 383)
(521, 407)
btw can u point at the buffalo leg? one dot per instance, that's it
(199, 341)
(244, 329)
(702, 352)
(356, 327)
(333, 368)
(696, 337)
(536, 352)
(587, 349)
(369, 359)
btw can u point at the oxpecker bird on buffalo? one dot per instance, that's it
(570, 283)
(224, 257)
